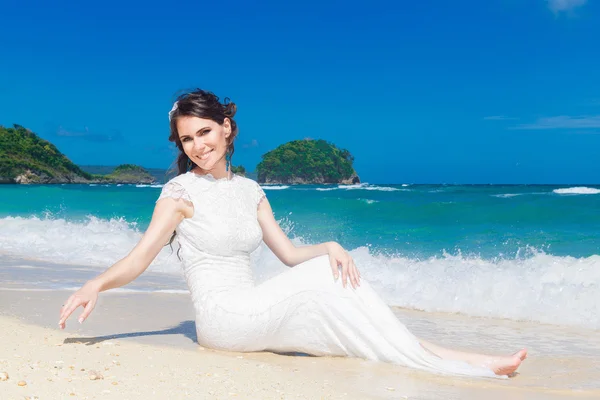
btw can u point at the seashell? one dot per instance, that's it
(32, 398)
(3, 376)
(94, 376)
(22, 383)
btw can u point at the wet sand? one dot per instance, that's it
(158, 357)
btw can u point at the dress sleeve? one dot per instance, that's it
(260, 194)
(174, 190)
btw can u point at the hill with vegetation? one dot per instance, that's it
(307, 162)
(27, 158)
(240, 170)
(129, 173)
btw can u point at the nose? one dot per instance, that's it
(198, 144)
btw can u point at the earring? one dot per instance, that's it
(189, 165)
(227, 160)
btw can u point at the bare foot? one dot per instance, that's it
(506, 365)
(522, 354)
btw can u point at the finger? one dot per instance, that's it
(356, 273)
(86, 311)
(353, 275)
(69, 310)
(334, 267)
(344, 272)
(63, 311)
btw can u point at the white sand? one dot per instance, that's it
(143, 345)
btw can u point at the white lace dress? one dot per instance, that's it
(301, 310)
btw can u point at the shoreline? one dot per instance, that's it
(162, 325)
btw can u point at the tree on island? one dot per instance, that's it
(27, 158)
(239, 169)
(22, 150)
(307, 161)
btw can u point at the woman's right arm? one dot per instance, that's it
(168, 213)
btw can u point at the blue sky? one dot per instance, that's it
(497, 91)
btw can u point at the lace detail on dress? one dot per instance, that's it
(175, 191)
(260, 194)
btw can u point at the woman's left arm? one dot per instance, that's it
(291, 255)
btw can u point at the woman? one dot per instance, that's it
(219, 218)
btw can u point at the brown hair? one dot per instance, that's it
(202, 104)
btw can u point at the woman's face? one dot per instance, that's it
(204, 141)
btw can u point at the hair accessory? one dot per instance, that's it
(173, 110)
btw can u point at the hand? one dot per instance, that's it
(340, 257)
(87, 297)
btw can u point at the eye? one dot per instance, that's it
(185, 139)
(205, 132)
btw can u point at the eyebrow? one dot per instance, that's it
(198, 131)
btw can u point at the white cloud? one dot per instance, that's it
(498, 118)
(253, 143)
(563, 122)
(564, 5)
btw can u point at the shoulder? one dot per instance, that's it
(251, 187)
(247, 181)
(177, 188)
(249, 184)
(182, 180)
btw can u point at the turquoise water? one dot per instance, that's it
(478, 250)
(415, 221)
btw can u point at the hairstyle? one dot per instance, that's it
(202, 104)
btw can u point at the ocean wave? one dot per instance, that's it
(534, 286)
(150, 186)
(95, 242)
(364, 186)
(274, 187)
(577, 190)
(506, 195)
(539, 287)
(369, 201)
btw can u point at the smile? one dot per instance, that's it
(205, 155)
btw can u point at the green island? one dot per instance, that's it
(240, 170)
(307, 162)
(26, 158)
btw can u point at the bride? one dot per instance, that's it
(321, 306)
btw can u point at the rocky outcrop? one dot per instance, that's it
(354, 179)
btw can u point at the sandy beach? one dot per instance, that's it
(142, 345)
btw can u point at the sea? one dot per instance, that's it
(517, 252)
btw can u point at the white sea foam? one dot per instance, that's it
(537, 287)
(282, 187)
(577, 190)
(540, 288)
(95, 242)
(364, 186)
(369, 201)
(150, 186)
(506, 195)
